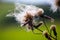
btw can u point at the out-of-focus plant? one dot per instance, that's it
(55, 5)
(26, 14)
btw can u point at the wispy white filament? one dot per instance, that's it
(23, 10)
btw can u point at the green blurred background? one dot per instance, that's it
(10, 29)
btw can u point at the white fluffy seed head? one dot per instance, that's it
(40, 11)
(33, 10)
(23, 9)
(53, 27)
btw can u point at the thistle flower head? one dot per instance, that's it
(28, 17)
(40, 11)
(45, 32)
(53, 27)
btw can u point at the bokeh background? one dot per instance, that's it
(10, 29)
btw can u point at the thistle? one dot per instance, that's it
(53, 27)
(45, 33)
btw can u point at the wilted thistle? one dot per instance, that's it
(45, 33)
(29, 20)
(53, 28)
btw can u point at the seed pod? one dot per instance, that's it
(45, 33)
(53, 27)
